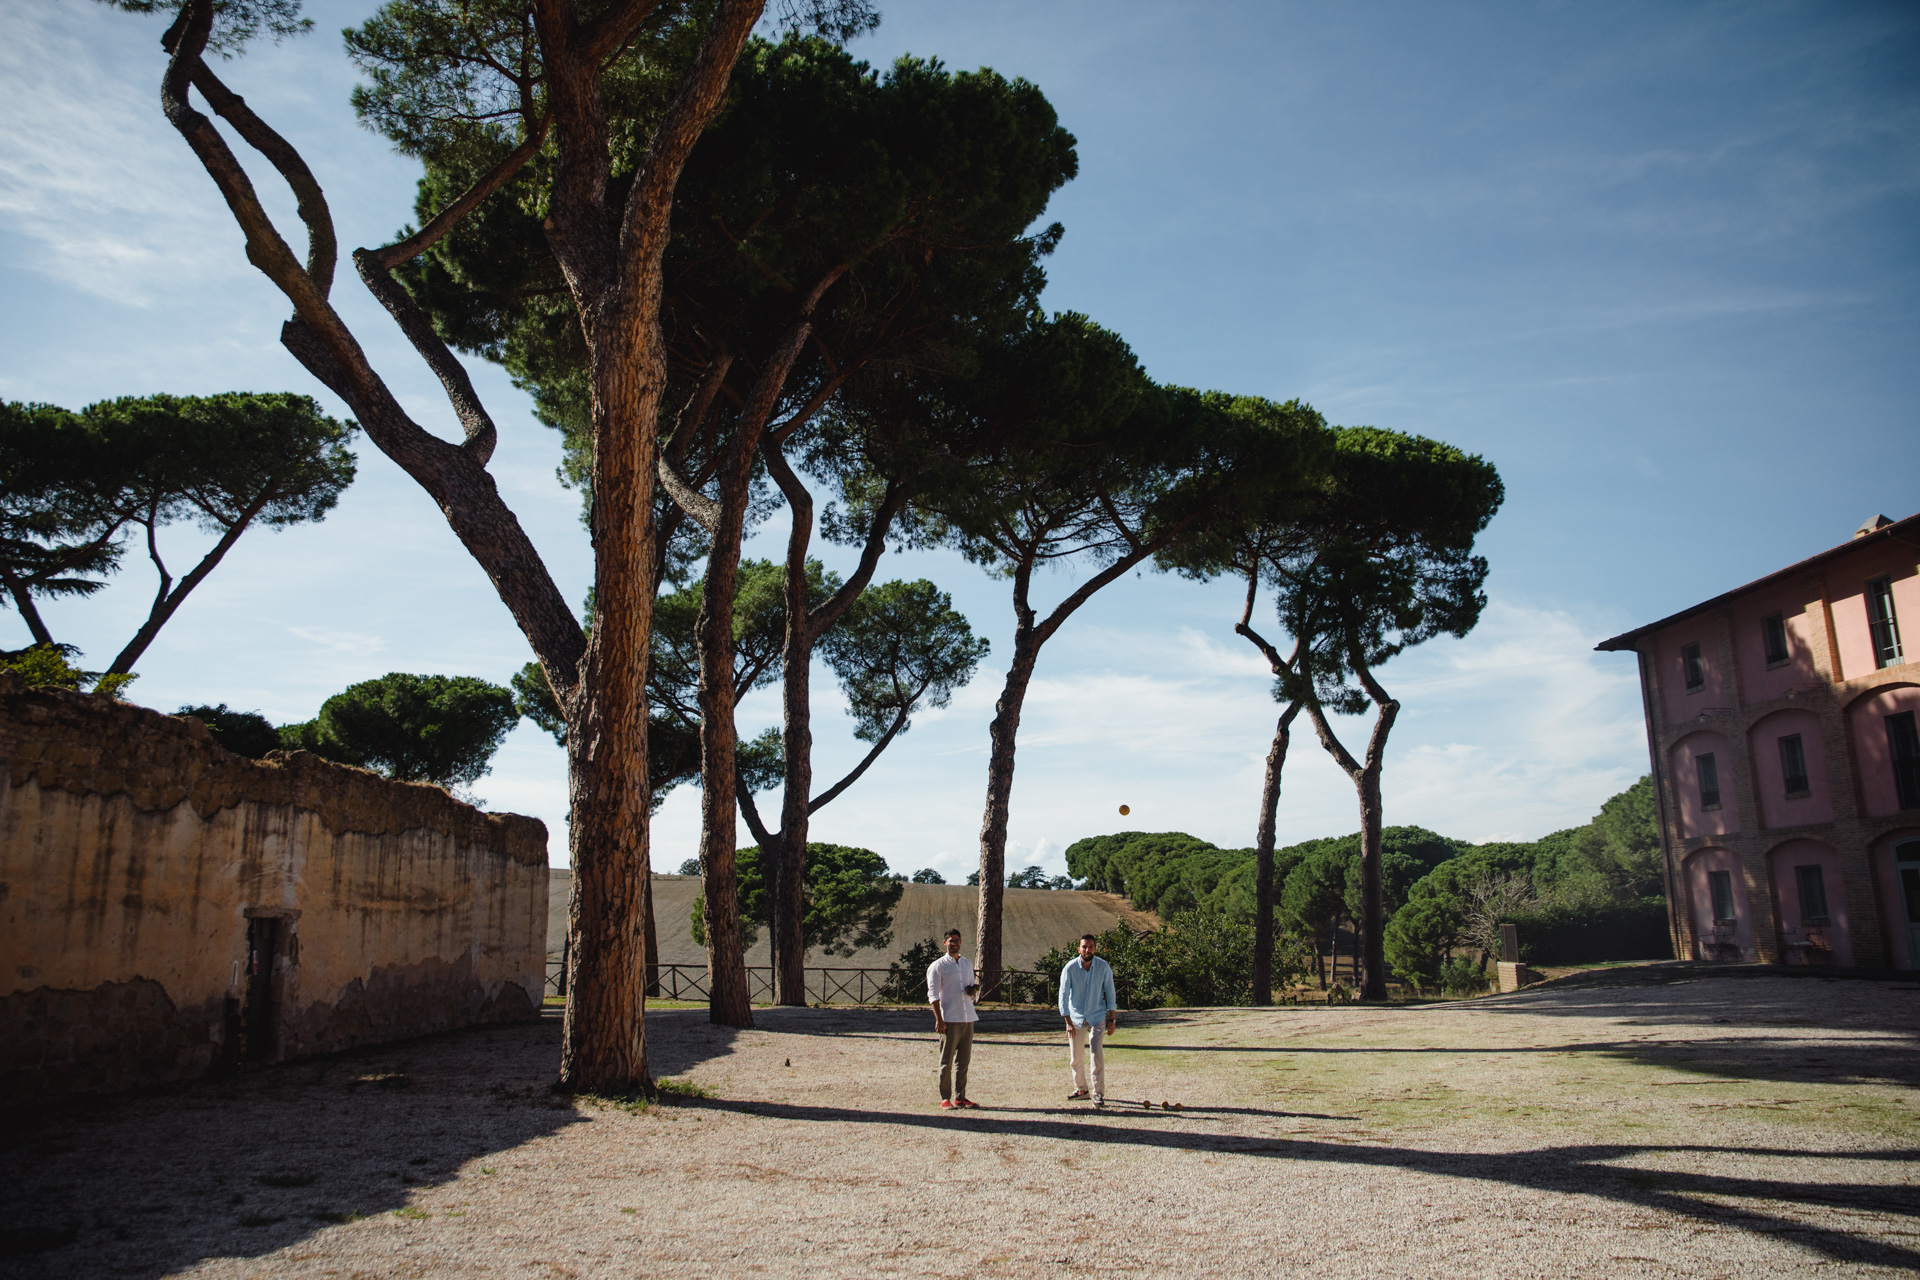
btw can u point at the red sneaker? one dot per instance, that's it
(968, 1102)
(948, 1106)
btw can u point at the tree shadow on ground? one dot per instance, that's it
(1589, 1170)
(146, 1185)
(1709, 1016)
(1702, 1013)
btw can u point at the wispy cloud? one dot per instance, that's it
(356, 644)
(91, 182)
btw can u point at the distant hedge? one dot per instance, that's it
(1634, 930)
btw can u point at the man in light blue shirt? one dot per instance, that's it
(1089, 1005)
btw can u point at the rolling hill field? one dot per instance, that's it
(1036, 920)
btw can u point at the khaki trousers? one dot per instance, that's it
(956, 1051)
(1084, 1042)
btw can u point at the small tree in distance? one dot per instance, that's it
(439, 729)
(245, 733)
(849, 900)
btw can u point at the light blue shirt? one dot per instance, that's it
(1086, 994)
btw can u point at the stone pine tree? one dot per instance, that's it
(898, 647)
(412, 728)
(831, 218)
(75, 487)
(1249, 544)
(1384, 563)
(878, 443)
(1088, 462)
(512, 83)
(917, 209)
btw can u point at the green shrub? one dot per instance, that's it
(45, 666)
(1199, 958)
(1417, 936)
(245, 733)
(1588, 933)
(1462, 977)
(907, 977)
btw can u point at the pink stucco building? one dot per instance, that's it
(1781, 718)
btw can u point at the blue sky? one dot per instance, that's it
(1655, 261)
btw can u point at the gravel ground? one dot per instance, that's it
(1702, 1126)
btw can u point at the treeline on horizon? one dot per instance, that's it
(1586, 893)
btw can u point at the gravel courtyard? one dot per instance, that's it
(1673, 1123)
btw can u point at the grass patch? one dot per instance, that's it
(411, 1214)
(681, 1089)
(336, 1215)
(636, 1101)
(633, 1104)
(382, 1080)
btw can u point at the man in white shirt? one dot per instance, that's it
(950, 988)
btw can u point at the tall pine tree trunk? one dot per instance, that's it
(729, 998)
(603, 1036)
(1263, 859)
(1370, 957)
(789, 905)
(1372, 922)
(993, 826)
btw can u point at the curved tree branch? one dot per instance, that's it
(899, 723)
(481, 433)
(426, 237)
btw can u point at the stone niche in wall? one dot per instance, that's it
(170, 910)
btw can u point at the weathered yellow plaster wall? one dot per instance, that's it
(133, 850)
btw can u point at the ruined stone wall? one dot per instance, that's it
(135, 852)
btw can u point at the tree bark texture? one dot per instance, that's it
(614, 276)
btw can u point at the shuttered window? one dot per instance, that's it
(1813, 894)
(1721, 885)
(1773, 630)
(1709, 780)
(1880, 620)
(1903, 744)
(1793, 765)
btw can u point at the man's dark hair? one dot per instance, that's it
(1088, 937)
(951, 933)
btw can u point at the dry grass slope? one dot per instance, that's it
(1036, 920)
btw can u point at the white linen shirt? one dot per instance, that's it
(947, 981)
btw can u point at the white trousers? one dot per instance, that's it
(1080, 1040)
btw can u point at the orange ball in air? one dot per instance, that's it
(1124, 811)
